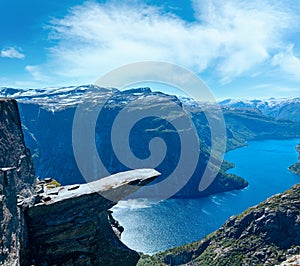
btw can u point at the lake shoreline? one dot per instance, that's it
(176, 222)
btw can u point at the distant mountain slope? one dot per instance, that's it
(47, 118)
(266, 234)
(256, 119)
(282, 108)
(250, 124)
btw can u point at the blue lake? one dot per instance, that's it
(153, 227)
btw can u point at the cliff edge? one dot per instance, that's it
(72, 225)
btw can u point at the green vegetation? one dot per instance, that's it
(53, 184)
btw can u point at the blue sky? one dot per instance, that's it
(239, 48)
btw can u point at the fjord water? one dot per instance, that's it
(151, 227)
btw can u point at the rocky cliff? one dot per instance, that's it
(295, 168)
(16, 178)
(43, 223)
(72, 225)
(266, 234)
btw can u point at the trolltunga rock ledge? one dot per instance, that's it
(71, 225)
(114, 187)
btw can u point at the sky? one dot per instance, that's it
(240, 49)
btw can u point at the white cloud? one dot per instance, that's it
(12, 52)
(230, 37)
(36, 73)
(251, 30)
(288, 62)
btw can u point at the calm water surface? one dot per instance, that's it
(152, 227)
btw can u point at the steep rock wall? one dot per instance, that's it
(16, 178)
(71, 225)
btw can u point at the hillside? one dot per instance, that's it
(248, 120)
(295, 168)
(266, 234)
(249, 124)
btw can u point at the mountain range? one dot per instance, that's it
(266, 234)
(47, 119)
(279, 108)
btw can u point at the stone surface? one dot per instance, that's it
(16, 178)
(73, 225)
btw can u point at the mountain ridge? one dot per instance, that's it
(53, 112)
(52, 109)
(279, 108)
(254, 225)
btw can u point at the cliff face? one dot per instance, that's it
(266, 234)
(71, 225)
(16, 178)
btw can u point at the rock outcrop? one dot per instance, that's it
(47, 224)
(71, 225)
(266, 234)
(295, 168)
(16, 179)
